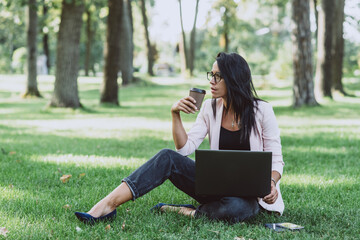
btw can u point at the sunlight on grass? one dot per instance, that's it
(319, 181)
(326, 124)
(10, 111)
(89, 124)
(317, 149)
(12, 192)
(91, 160)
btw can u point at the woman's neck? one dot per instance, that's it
(224, 102)
(229, 110)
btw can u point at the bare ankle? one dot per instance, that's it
(187, 211)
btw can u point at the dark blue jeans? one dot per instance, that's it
(180, 170)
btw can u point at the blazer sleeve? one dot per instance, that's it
(197, 132)
(271, 138)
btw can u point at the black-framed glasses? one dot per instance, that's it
(217, 76)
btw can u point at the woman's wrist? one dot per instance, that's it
(273, 180)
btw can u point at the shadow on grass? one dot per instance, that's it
(320, 214)
(38, 198)
(335, 110)
(14, 139)
(326, 152)
(149, 103)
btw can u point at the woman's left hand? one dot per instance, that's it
(271, 198)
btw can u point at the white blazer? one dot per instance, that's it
(266, 138)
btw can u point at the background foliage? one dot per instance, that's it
(263, 36)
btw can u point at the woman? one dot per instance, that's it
(234, 119)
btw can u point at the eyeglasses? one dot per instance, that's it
(217, 77)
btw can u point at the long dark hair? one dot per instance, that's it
(241, 95)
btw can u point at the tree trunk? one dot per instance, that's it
(150, 55)
(303, 89)
(338, 47)
(182, 46)
(89, 34)
(110, 88)
(126, 51)
(67, 57)
(323, 78)
(131, 55)
(315, 3)
(46, 40)
(226, 30)
(31, 88)
(193, 41)
(182, 57)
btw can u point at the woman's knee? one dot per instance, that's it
(231, 209)
(164, 156)
(239, 209)
(166, 151)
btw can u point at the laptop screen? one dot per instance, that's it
(232, 173)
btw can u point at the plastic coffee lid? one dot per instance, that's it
(198, 90)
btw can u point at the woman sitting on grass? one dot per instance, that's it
(250, 124)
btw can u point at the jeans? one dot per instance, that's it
(180, 170)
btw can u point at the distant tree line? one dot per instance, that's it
(99, 35)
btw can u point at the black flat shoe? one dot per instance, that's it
(88, 219)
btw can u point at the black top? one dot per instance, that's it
(230, 140)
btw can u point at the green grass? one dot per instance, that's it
(320, 185)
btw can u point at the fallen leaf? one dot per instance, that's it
(65, 178)
(123, 225)
(239, 238)
(78, 229)
(82, 175)
(67, 206)
(108, 227)
(3, 231)
(12, 153)
(11, 186)
(59, 170)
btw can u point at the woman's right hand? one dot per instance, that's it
(186, 105)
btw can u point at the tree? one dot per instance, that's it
(228, 10)
(314, 5)
(338, 47)
(330, 48)
(90, 35)
(188, 55)
(303, 88)
(31, 88)
(149, 48)
(66, 87)
(192, 41)
(182, 46)
(109, 90)
(46, 37)
(126, 41)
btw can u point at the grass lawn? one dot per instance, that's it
(100, 145)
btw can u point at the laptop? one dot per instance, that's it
(232, 173)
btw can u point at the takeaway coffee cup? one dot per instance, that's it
(198, 95)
